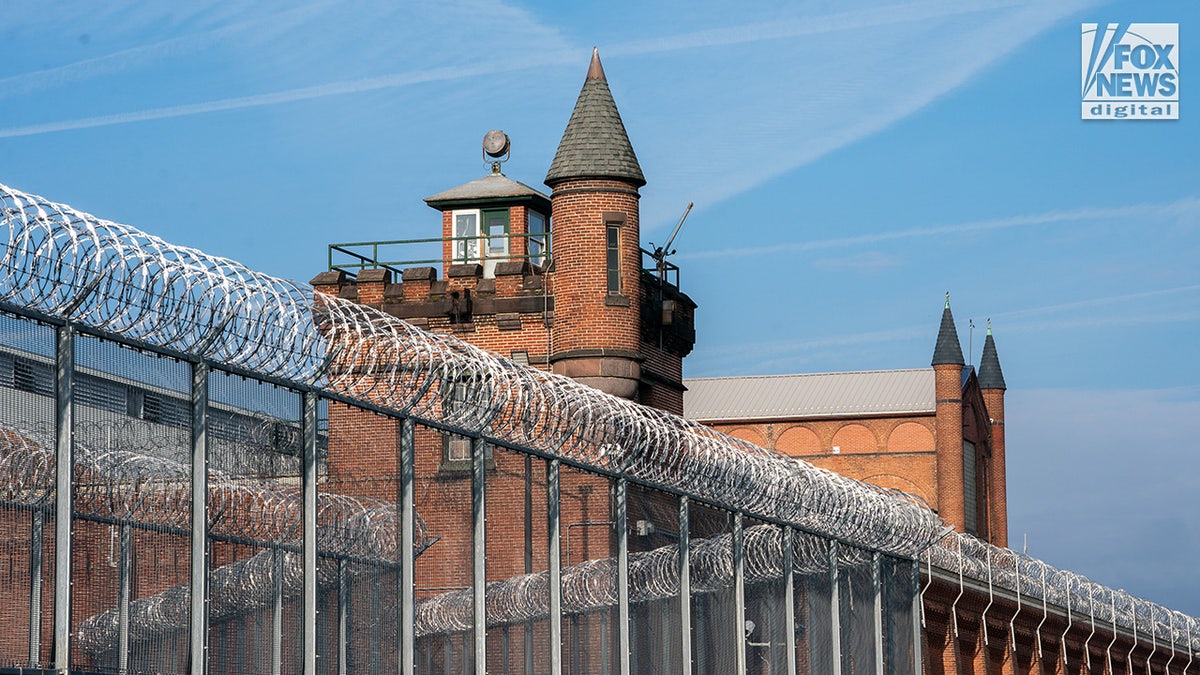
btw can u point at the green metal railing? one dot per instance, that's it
(353, 257)
(356, 256)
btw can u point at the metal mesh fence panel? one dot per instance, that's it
(814, 606)
(589, 550)
(358, 540)
(766, 611)
(132, 503)
(27, 468)
(516, 549)
(900, 629)
(858, 611)
(444, 573)
(255, 533)
(716, 632)
(654, 582)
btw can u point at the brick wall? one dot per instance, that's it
(895, 452)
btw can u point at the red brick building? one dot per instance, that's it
(937, 432)
(558, 281)
(555, 281)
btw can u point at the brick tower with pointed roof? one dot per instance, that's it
(992, 386)
(948, 370)
(594, 180)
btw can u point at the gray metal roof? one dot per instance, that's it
(876, 392)
(491, 186)
(595, 144)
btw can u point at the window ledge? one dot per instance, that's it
(616, 300)
(462, 469)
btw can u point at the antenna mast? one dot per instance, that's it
(661, 252)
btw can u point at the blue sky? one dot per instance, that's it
(850, 163)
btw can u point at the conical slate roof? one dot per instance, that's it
(948, 350)
(990, 375)
(595, 144)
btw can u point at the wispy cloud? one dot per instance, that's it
(867, 262)
(742, 34)
(274, 98)
(1099, 302)
(1186, 206)
(124, 59)
(802, 112)
(763, 31)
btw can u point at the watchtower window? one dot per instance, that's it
(614, 259)
(539, 244)
(466, 236)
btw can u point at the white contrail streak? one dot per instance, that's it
(1182, 206)
(755, 32)
(258, 100)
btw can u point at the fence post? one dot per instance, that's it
(479, 564)
(64, 358)
(789, 597)
(199, 582)
(685, 587)
(918, 611)
(408, 612)
(623, 638)
(309, 485)
(553, 525)
(877, 609)
(124, 576)
(36, 553)
(835, 610)
(739, 593)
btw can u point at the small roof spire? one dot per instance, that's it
(948, 350)
(990, 375)
(595, 144)
(596, 70)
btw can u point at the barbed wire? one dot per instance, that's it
(64, 262)
(113, 277)
(155, 491)
(1035, 579)
(653, 575)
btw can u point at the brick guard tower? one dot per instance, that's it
(556, 281)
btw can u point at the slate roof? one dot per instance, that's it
(879, 392)
(948, 349)
(595, 144)
(990, 375)
(493, 186)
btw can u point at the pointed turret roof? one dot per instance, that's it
(948, 350)
(990, 375)
(595, 144)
